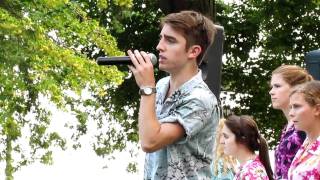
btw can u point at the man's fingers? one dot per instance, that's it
(146, 57)
(139, 58)
(133, 58)
(132, 69)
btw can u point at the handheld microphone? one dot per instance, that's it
(117, 60)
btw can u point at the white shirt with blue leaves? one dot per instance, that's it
(195, 107)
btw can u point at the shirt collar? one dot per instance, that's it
(315, 147)
(183, 89)
(189, 85)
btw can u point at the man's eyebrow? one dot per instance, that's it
(169, 37)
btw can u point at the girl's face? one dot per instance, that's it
(228, 141)
(279, 93)
(302, 114)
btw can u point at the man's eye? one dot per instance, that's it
(171, 41)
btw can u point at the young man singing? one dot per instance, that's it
(179, 114)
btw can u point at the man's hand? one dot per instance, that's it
(142, 68)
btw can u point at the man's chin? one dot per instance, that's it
(163, 68)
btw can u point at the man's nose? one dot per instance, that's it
(160, 45)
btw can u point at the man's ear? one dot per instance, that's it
(194, 51)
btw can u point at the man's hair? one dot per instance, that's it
(194, 27)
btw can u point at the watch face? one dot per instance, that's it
(147, 90)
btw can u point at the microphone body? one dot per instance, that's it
(118, 60)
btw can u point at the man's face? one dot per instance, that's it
(173, 55)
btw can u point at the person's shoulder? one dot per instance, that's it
(254, 166)
(202, 92)
(295, 137)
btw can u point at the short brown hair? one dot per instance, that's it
(195, 28)
(292, 74)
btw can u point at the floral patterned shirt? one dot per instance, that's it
(306, 163)
(195, 108)
(252, 169)
(290, 142)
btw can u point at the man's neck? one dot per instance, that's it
(178, 79)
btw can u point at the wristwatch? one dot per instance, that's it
(147, 91)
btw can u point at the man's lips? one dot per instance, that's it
(162, 58)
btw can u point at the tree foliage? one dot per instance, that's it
(134, 28)
(47, 50)
(43, 57)
(259, 36)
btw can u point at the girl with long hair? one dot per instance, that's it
(223, 165)
(240, 139)
(283, 79)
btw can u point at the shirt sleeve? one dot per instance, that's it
(193, 113)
